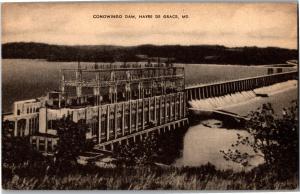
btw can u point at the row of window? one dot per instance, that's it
(43, 145)
(29, 110)
(33, 124)
(160, 118)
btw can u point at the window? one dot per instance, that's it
(33, 143)
(30, 127)
(94, 127)
(112, 123)
(146, 116)
(133, 119)
(50, 124)
(126, 120)
(49, 145)
(103, 124)
(42, 145)
(119, 122)
(18, 132)
(140, 119)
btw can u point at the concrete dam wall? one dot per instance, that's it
(198, 92)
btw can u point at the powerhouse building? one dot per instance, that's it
(119, 103)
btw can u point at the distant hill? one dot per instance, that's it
(184, 54)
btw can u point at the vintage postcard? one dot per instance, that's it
(150, 96)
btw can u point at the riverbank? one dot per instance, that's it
(143, 178)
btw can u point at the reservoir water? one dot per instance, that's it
(27, 78)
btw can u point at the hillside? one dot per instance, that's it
(185, 54)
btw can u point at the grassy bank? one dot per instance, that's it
(141, 178)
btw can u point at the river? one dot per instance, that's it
(202, 144)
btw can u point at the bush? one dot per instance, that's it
(276, 138)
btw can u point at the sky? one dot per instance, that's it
(229, 24)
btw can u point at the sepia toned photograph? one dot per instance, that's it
(149, 96)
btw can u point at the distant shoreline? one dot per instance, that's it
(217, 64)
(192, 54)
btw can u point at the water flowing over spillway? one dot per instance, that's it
(215, 103)
(222, 101)
(277, 87)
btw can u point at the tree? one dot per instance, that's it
(274, 138)
(142, 152)
(16, 150)
(72, 140)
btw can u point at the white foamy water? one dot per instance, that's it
(203, 144)
(222, 101)
(270, 90)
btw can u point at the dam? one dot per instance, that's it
(121, 104)
(228, 87)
